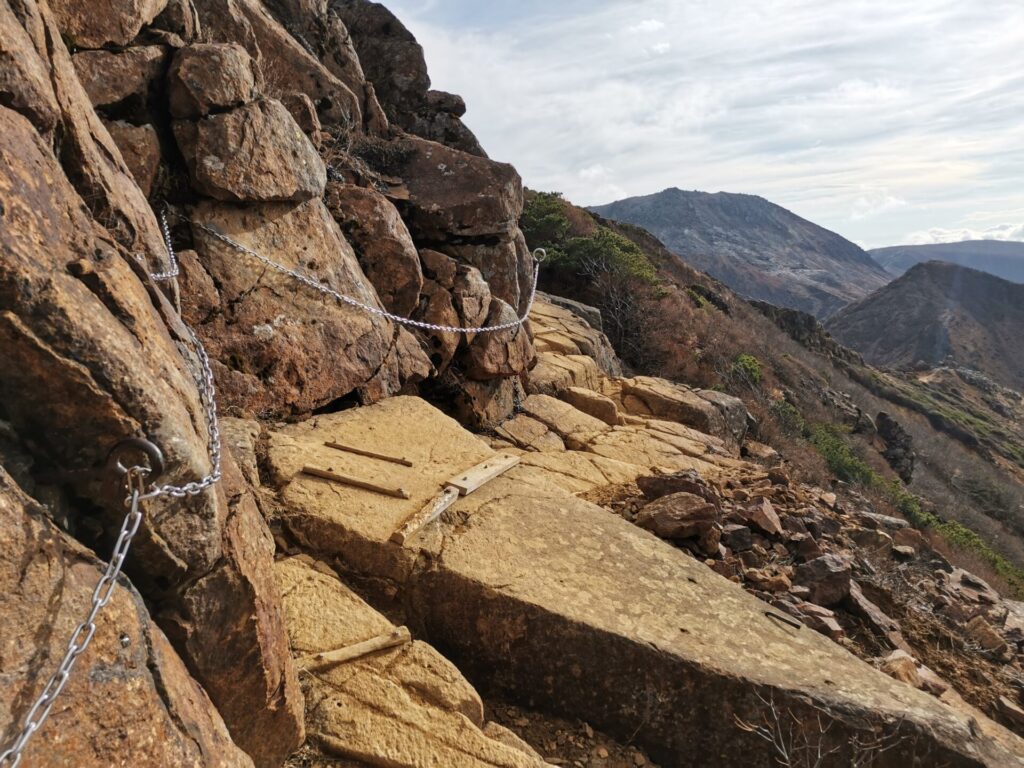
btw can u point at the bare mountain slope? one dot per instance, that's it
(938, 311)
(1002, 259)
(756, 247)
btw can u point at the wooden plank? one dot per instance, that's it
(355, 482)
(326, 659)
(369, 454)
(425, 516)
(483, 472)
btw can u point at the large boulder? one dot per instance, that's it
(127, 693)
(208, 77)
(112, 78)
(256, 152)
(454, 194)
(827, 577)
(280, 347)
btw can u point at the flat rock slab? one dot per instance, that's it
(553, 599)
(403, 707)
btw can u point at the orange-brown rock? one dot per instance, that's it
(111, 77)
(256, 152)
(280, 347)
(79, 323)
(117, 22)
(679, 516)
(382, 243)
(499, 353)
(140, 148)
(129, 699)
(210, 77)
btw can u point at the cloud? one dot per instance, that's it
(844, 112)
(647, 26)
(940, 235)
(872, 202)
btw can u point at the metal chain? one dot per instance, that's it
(538, 257)
(208, 395)
(83, 634)
(135, 479)
(174, 271)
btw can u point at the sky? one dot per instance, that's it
(888, 121)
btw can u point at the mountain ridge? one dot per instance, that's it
(756, 247)
(1001, 258)
(937, 312)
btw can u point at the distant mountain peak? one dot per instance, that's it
(755, 246)
(935, 312)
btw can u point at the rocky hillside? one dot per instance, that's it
(938, 312)
(1002, 259)
(245, 258)
(757, 248)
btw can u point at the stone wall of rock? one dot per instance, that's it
(233, 115)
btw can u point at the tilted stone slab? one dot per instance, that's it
(403, 707)
(560, 602)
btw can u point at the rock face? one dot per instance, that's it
(129, 679)
(286, 349)
(256, 152)
(78, 321)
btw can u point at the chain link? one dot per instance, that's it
(84, 632)
(174, 271)
(538, 256)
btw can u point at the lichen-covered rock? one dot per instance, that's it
(381, 242)
(281, 348)
(256, 152)
(111, 77)
(117, 22)
(204, 78)
(129, 681)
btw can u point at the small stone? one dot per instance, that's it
(904, 552)
(602, 752)
(762, 515)
(828, 578)
(900, 665)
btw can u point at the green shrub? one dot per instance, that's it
(544, 223)
(607, 252)
(699, 301)
(747, 368)
(789, 418)
(840, 457)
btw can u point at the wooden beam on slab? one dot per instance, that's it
(482, 473)
(326, 659)
(355, 482)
